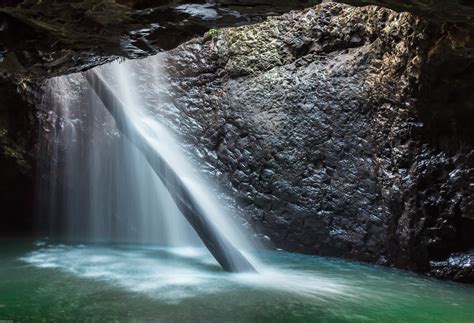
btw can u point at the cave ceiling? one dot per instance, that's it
(45, 38)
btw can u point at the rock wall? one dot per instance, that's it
(324, 127)
(337, 131)
(17, 161)
(61, 37)
(460, 11)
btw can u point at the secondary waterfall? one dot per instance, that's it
(100, 187)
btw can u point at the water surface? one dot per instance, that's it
(89, 282)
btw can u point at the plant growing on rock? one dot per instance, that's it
(212, 33)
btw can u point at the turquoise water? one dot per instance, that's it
(102, 283)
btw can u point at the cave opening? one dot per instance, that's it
(223, 161)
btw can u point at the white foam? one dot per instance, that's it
(172, 274)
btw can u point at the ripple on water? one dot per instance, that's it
(171, 273)
(288, 286)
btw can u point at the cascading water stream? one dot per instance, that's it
(104, 188)
(98, 184)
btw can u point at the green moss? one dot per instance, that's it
(251, 49)
(213, 32)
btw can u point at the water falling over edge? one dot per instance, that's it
(95, 191)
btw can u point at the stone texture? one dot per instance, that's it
(322, 125)
(17, 161)
(334, 131)
(458, 267)
(60, 37)
(458, 11)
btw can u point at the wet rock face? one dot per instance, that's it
(458, 267)
(322, 127)
(334, 131)
(17, 161)
(441, 10)
(45, 38)
(60, 37)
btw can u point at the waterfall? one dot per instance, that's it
(100, 187)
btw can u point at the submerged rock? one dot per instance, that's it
(458, 267)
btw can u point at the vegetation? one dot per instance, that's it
(213, 32)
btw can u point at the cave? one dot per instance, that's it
(237, 160)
